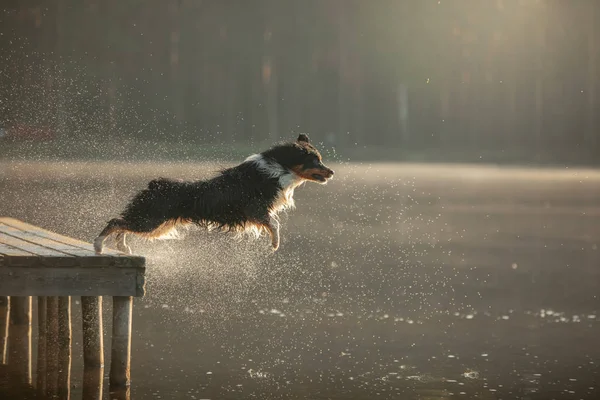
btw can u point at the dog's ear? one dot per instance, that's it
(303, 138)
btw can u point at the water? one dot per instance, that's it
(393, 281)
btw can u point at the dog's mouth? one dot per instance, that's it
(319, 178)
(318, 175)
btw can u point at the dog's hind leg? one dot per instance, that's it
(122, 244)
(116, 225)
(272, 226)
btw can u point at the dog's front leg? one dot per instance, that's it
(272, 226)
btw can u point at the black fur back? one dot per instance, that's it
(162, 184)
(231, 200)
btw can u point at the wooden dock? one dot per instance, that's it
(53, 267)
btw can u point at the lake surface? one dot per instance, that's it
(394, 281)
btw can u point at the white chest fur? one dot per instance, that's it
(285, 198)
(287, 180)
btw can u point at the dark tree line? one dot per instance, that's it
(493, 74)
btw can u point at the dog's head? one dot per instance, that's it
(303, 159)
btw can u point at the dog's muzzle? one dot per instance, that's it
(324, 174)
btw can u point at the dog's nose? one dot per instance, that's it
(330, 172)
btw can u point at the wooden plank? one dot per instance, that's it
(141, 285)
(38, 261)
(29, 247)
(45, 242)
(19, 336)
(55, 236)
(108, 260)
(66, 247)
(69, 261)
(120, 360)
(70, 281)
(34, 261)
(11, 251)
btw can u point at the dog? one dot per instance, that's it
(244, 198)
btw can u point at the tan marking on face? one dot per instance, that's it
(307, 174)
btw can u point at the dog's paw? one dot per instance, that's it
(98, 245)
(124, 248)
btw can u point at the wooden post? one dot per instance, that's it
(41, 356)
(4, 315)
(121, 342)
(51, 346)
(64, 344)
(121, 394)
(92, 383)
(93, 346)
(19, 336)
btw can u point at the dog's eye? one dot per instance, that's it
(316, 161)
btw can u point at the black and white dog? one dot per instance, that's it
(246, 197)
